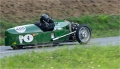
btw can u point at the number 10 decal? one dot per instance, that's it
(26, 38)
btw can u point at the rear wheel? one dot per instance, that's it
(83, 34)
(17, 47)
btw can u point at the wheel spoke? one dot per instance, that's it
(84, 34)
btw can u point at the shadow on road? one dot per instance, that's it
(37, 46)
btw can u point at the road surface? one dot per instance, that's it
(7, 50)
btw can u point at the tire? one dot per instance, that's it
(83, 34)
(17, 47)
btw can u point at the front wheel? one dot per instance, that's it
(83, 34)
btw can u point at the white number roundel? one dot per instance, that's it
(20, 29)
(28, 38)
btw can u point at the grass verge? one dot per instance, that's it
(101, 25)
(84, 57)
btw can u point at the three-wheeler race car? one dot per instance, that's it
(31, 34)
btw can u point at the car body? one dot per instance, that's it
(31, 34)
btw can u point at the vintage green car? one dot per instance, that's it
(30, 35)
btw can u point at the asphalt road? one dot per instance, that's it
(7, 50)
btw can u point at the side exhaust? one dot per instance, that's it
(63, 36)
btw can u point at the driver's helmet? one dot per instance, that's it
(44, 18)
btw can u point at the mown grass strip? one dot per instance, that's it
(84, 57)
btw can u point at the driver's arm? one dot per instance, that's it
(51, 21)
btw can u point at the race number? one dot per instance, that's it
(21, 39)
(20, 29)
(28, 38)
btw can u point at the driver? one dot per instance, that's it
(47, 24)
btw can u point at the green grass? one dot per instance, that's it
(101, 25)
(83, 57)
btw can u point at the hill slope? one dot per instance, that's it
(27, 9)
